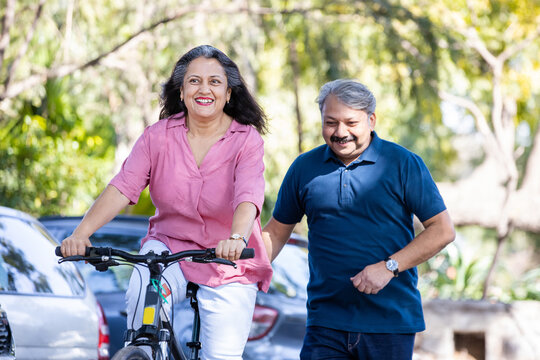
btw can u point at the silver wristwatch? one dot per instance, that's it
(392, 265)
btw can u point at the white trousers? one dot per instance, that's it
(226, 311)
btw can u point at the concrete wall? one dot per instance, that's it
(479, 330)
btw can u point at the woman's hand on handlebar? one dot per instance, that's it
(75, 245)
(230, 249)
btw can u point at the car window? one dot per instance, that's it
(127, 242)
(124, 239)
(28, 264)
(291, 272)
(58, 233)
(116, 278)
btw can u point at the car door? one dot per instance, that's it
(52, 314)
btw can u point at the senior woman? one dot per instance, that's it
(203, 163)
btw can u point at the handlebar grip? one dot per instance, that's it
(58, 251)
(247, 253)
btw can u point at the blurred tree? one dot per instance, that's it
(490, 63)
(52, 161)
(102, 63)
(451, 275)
(121, 51)
(379, 43)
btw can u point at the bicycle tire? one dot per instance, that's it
(131, 353)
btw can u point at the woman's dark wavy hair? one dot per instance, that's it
(242, 106)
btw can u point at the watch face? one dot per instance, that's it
(392, 265)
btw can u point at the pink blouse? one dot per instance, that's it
(195, 205)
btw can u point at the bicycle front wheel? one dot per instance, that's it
(131, 353)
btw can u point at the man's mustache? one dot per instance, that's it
(342, 139)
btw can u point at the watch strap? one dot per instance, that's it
(238, 237)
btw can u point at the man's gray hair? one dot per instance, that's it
(350, 92)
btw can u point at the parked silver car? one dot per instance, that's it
(52, 313)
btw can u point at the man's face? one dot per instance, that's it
(346, 130)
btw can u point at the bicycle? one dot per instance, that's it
(156, 333)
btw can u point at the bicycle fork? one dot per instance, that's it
(151, 332)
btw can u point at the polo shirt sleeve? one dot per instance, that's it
(134, 175)
(422, 196)
(288, 208)
(249, 172)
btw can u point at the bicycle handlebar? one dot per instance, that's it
(97, 254)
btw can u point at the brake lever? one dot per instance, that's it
(224, 262)
(103, 265)
(72, 258)
(205, 260)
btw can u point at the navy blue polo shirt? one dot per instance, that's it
(357, 216)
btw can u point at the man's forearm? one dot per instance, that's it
(439, 232)
(275, 236)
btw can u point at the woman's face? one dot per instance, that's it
(205, 90)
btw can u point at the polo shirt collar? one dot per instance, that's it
(329, 154)
(180, 120)
(370, 155)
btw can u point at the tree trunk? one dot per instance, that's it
(293, 56)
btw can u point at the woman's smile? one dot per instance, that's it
(204, 101)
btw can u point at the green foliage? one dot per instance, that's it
(526, 287)
(52, 161)
(144, 206)
(452, 275)
(500, 24)
(518, 272)
(459, 270)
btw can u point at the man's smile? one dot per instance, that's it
(342, 140)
